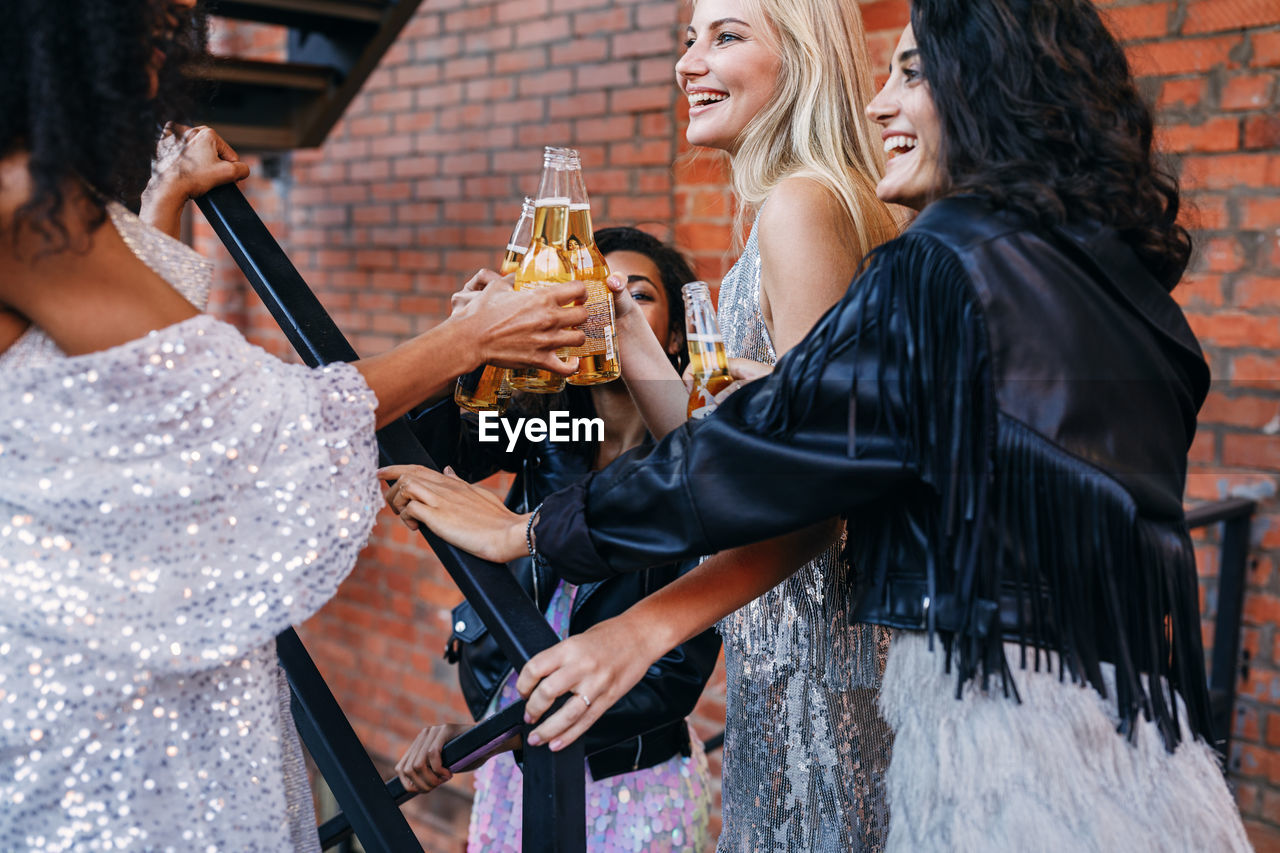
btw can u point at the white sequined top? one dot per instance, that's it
(166, 508)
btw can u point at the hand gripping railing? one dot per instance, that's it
(554, 800)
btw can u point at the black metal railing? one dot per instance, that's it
(554, 798)
(1236, 516)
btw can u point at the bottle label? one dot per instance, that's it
(598, 327)
(701, 403)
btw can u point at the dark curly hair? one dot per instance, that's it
(673, 267)
(75, 94)
(1040, 114)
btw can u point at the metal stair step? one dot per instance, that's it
(305, 15)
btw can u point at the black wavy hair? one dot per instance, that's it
(75, 94)
(1040, 114)
(673, 267)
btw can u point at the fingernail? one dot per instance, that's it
(528, 718)
(534, 740)
(556, 744)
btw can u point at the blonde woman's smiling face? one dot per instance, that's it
(729, 72)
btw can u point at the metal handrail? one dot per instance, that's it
(1236, 515)
(554, 793)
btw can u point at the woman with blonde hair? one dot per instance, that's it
(780, 86)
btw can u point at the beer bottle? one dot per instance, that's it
(545, 263)
(598, 355)
(488, 388)
(707, 358)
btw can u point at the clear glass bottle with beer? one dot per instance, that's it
(488, 387)
(598, 356)
(708, 361)
(545, 263)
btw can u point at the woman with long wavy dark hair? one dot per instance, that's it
(171, 497)
(1001, 406)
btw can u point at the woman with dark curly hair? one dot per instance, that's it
(1001, 406)
(170, 497)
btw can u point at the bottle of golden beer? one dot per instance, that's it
(707, 358)
(488, 388)
(598, 356)
(545, 263)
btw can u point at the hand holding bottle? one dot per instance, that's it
(525, 328)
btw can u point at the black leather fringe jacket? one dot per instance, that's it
(1003, 416)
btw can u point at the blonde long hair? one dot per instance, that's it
(814, 125)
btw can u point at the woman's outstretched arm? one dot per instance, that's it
(609, 658)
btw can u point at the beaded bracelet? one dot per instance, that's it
(528, 533)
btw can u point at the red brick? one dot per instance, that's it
(1262, 132)
(615, 20)
(641, 98)
(1183, 93)
(603, 74)
(542, 31)
(1183, 56)
(606, 129)
(1199, 290)
(1260, 213)
(1233, 329)
(469, 19)
(577, 105)
(1204, 212)
(886, 15)
(1264, 838)
(1257, 291)
(1245, 411)
(640, 153)
(1208, 16)
(1131, 23)
(467, 67)
(554, 82)
(579, 50)
(520, 61)
(489, 40)
(1230, 170)
(1266, 49)
(1216, 134)
(1248, 92)
(660, 70)
(1221, 254)
(652, 15)
(1248, 799)
(511, 11)
(1260, 371)
(1252, 451)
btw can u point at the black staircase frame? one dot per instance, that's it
(554, 790)
(1236, 517)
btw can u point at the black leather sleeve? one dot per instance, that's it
(814, 439)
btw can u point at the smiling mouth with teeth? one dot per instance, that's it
(701, 99)
(895, 146)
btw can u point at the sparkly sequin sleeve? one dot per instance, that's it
(173, 502)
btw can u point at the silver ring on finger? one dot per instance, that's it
(584, 699)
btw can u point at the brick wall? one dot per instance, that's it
(419, 183)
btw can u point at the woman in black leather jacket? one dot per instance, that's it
(1001, 406)
(646, 729)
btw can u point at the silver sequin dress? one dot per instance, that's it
(167, 507)
(805, 748)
